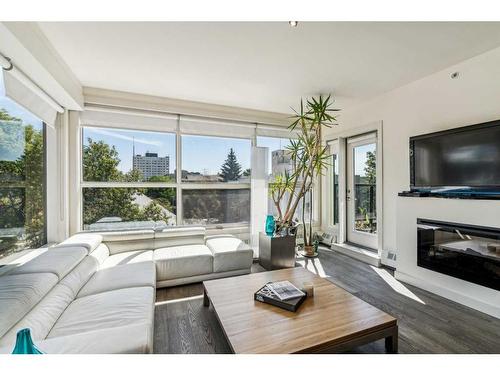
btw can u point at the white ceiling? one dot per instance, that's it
(267, 66)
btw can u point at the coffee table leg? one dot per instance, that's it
(391, 342)
(206, 300)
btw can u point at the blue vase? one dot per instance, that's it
(270, 225)
(24, 343)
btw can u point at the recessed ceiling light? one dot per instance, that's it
(293, 23)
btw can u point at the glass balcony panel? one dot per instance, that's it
(216, 206)
(128, 208)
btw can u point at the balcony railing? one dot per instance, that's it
(365, 207)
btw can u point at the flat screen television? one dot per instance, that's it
(467, 157)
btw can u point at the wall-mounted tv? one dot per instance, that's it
(467, 157)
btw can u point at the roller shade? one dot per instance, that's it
(221, 128)
(128, 119)
(24, 92)
(275, 131)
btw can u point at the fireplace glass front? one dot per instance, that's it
(467, 252)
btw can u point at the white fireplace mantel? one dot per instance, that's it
(462, 211)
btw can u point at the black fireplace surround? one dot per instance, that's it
(467, 252)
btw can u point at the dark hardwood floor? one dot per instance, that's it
(427, 323)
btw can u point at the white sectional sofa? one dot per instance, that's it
(95, 292)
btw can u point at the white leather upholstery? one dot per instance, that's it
(132, 339)
(182, 261)
(88, 241)
(127, 235)
(43, 316)
(19, 294)
(100, 253)
(117, 308)
(230, 253)
(179, 236)
(128, 257)
(59, 261)
(119, 242)
(77, 278)
(120, 277)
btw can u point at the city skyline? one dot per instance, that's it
(200, 153)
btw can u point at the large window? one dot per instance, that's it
(22, 178)
(130, 179)
(142, 161)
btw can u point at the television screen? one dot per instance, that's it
(464, 157)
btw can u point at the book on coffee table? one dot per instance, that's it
(282, 294)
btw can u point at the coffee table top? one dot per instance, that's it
(332, 316)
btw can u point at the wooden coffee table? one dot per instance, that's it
(332, 321)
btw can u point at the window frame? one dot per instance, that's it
(329, 195)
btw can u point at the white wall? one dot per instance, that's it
(433, 103)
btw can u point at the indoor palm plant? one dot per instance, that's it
(309, 159)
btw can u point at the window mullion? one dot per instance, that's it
(178, 174)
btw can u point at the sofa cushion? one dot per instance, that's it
(59, 261)
(19, 294)
(127, 257)
(230, 253)
(87, 240)
(182, 261)
(130, 339)
(101, 253)
(42, 317)
(120, 277)
(116, 308)
(124, 241)
(77, 278)
(179, 236)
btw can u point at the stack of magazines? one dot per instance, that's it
(282, 294)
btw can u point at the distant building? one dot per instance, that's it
(152, 165)
(198, 177)
(280, 162)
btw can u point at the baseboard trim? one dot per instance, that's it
(449, 294)
(357, 253)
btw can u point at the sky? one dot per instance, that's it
(360, 153)
(199, 153)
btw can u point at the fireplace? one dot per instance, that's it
(467, 252)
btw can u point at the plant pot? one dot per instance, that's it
(276, 252)
(309, 251)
